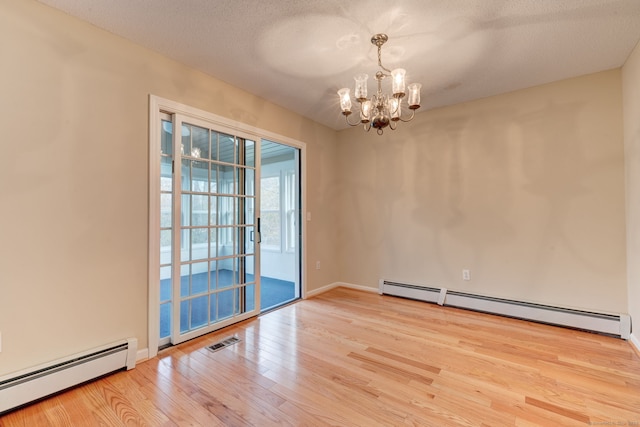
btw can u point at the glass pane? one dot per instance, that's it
(165, 209)
(213, 307)
(270, 193)
(186, 174)
(225, 273)
(250, 210)
(166, 138)
(199, 312)
(214, 145)
(165, 246)
(199, 176)
(226, 210)
(199, 236)
(199, 243)
(249, 240)
(240, 212)
(270, 228)
(165, 283)
(199, 278)
(213, 210)
(199, 210)
(199, 142)
(250, 297)
(185, 242)
(227, 148)
(239, 179)
(165, 320)
(184, 280)
(225, 304)
(185, 211)
(238, 271)
(184, 316)
(226, 179)
(239, 300)
(185, 149)
(213, 242)
(249, 188)
(225, 241)
(249, 266)
(213, 183)
(239, 236)
(166, 173)
(250, 153)
(213, 275)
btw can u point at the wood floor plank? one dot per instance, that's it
(177, 405)
(350, 358)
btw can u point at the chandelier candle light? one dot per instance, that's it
(381, 110)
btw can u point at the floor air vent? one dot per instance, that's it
(610, 324)
(224, 343)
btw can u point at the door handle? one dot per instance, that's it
(259, 232)
(251, 234)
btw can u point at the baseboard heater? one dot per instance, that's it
(20, 388)
(611, 324)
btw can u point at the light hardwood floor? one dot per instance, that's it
(353, 358)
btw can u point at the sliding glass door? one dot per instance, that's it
(225, 222)
(209, 267)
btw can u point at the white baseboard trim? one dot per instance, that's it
(142, 355)
(358, 287)
(321, 290)
(633, 339)
(334, 285)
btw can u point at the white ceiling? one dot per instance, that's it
(298, 53)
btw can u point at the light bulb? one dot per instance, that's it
(414, 96)
(398, 81)
(345, 99)
(365, 112)
(361, 87)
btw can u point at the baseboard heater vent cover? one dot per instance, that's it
(417, 292)
(224, 343)
(21, 388)
(610, 324)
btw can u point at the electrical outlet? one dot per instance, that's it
(466, 275)
(317, 265)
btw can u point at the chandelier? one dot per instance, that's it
(381, 110)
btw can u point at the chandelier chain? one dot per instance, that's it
(380, 59)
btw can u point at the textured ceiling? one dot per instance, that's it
(298, 53)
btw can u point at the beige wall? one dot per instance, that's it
(525, 189)
(73, 179)
(631, 103)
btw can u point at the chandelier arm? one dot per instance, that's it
(413, 113)
(346, 118)
(393, 125)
